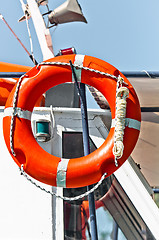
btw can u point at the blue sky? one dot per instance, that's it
(123, 33)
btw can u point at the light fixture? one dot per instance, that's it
(43, 132)
(66, 51)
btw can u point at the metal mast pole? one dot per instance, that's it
(86, 152)
(86, 144)
(42, 32)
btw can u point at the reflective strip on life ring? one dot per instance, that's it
(79, 61)
(131, 123)
(18, 112)
(57, 171)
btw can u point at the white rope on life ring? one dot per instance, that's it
(121, 95)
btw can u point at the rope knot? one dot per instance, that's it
(118, 149)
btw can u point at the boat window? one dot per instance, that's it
(72, 145)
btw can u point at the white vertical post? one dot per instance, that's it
(45, 41)
(42, 32)
(58, 203)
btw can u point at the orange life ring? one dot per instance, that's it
(57, 171)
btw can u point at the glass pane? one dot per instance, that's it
(72, 145)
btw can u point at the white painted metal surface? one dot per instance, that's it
(25, 211)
